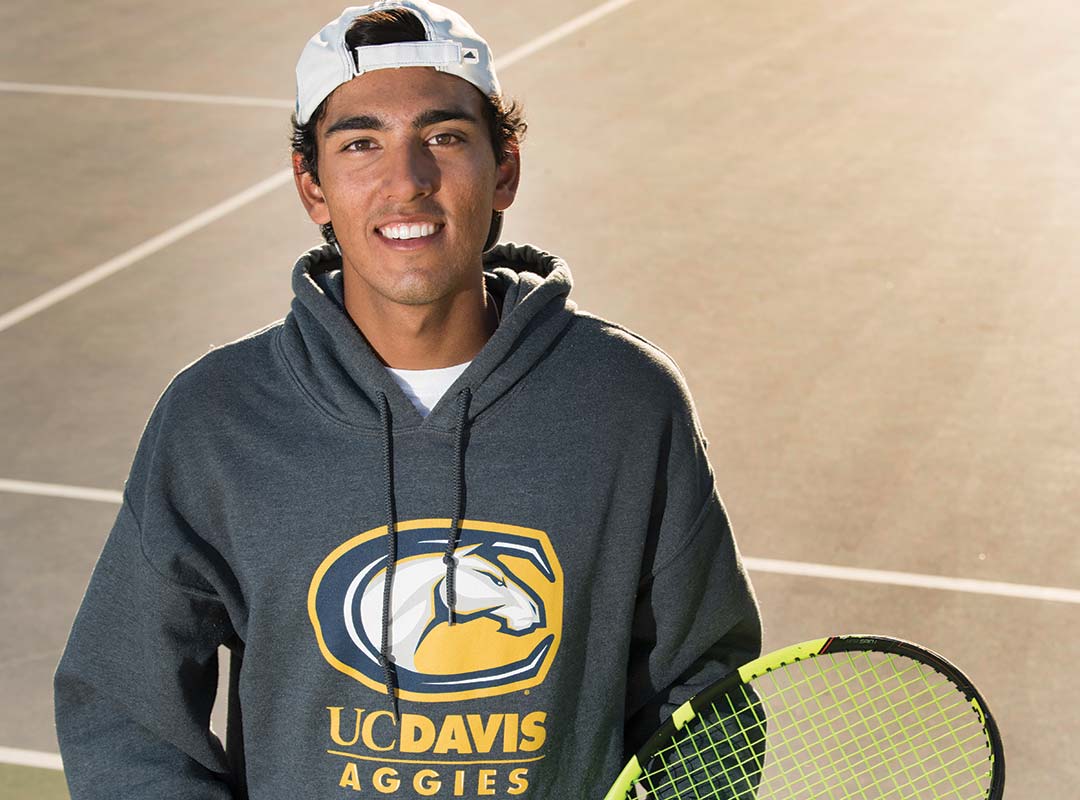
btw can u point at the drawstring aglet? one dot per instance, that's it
(451, 595)
(391, 684)
(394, 708)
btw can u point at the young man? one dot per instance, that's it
(462, 539)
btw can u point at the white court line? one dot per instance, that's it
(561, 32)
(139, 94)
(30, 758)
(515, 55)
(59, 490)
(1025, 591)
(147, 248)
(172, 235)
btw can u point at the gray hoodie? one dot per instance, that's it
(556, 506)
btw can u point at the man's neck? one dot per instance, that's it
(432, 336)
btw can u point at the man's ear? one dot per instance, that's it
(310, 193)
(507, 175)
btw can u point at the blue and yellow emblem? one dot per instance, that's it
(509, 603)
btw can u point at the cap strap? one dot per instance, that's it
(407, 54)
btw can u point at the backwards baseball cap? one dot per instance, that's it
(452, 46)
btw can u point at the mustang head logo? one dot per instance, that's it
(482, 588)
(508, 609)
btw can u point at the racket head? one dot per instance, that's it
(861, 716)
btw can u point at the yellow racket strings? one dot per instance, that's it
(796, 756)
(845, 725)
(924, 740)
(748, 769)
(743, 754)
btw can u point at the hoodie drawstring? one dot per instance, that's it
(460, 441)
(391, 552)
(459, 500)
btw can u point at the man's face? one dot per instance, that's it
(403, 152)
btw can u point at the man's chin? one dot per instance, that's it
(413, 287)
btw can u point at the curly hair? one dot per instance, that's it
(505, 119)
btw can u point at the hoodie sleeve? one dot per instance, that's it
(696, 618)
(136, 683)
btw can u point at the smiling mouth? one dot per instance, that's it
(413, 231)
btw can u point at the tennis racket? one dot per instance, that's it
(864, 717)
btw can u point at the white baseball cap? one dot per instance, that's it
(452, 46)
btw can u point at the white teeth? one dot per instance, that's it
(408, 231)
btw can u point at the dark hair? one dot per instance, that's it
(505, 121)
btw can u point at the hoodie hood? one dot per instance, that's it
(342, 374)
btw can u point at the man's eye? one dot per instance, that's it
(442, 139)
(360, 145)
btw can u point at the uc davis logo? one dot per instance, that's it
(509, 589)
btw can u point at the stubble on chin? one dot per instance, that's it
(413, 286)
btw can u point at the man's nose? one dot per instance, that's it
(411, 173)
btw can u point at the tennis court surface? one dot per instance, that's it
(851, 222)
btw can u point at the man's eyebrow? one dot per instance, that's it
(436, 115)
(363, 122)
(368, 122)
